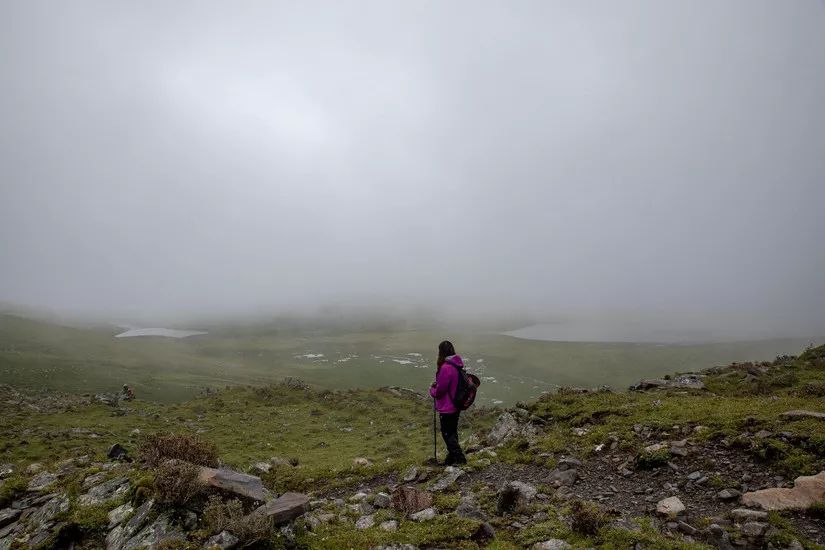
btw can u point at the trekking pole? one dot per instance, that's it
(435, 453)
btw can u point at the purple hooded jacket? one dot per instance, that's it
(446, 384)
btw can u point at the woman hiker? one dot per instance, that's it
(443, 391)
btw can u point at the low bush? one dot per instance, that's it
(159, 447)
(177, 483)
(230, 516)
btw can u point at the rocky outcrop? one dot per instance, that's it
(806, 492)
(684, 381)
(243, 485)
(285, 508)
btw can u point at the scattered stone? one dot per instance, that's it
(223, 540)
(234, 482)
(106, 491)
(670, 507)
(686, 528)
(807, 491)
(728, 494)
(410, 474)
(451, 474)
(260, 468)
(365, 508)
(563, 478)
(390, 525)
(41, 481)
(6, 470)
(754, 529)
(568, 463)
(365, 522)
(693, 476)
(506, 427)
(361, 462)
(285, 508)
(656, 447)
(551, 544)
(408, 500)
(718, 537)
(424, 515)
(467, 508)
(34, 468)
(119, 514)
(679, 451)
(118, 452)
(382, 500)
(743, 515)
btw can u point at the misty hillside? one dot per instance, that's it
(343, 354)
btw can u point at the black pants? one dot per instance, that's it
(449, 431)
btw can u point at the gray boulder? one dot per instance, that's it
(235, 482)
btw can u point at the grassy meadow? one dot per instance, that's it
(40, 355)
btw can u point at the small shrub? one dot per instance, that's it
(160, 447)
(655, 459)
(177, 483)
(587, 518)
(812, 389)
(249, 528)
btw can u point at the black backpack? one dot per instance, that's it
(466, 389)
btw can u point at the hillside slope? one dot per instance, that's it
(672, 465)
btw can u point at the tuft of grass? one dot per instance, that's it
(650, 460)
(587, 518)
(13, 487)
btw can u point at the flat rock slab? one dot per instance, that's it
(451, 474)
(235, 482)
(798, 413)
(806, 491)
(285, 508)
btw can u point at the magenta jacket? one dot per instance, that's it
(446, 383)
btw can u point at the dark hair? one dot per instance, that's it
(445, 349)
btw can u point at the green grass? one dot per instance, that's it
(325, 431)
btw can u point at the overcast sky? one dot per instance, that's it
(166, 157)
